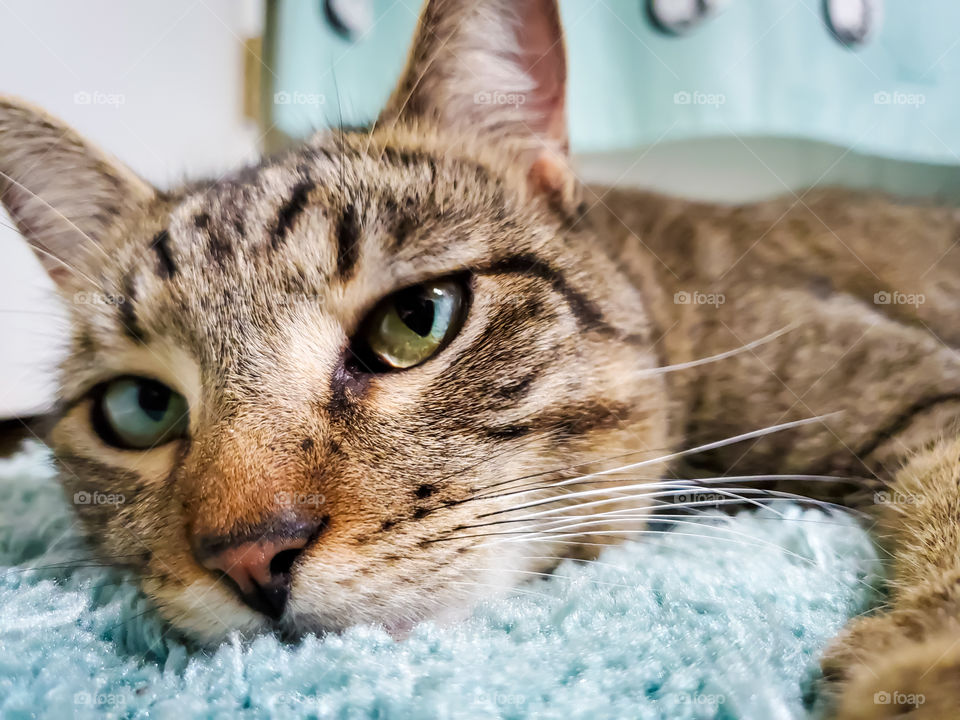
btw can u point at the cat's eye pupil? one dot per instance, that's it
(136, 413)
(416, 309)
(154, 398)
(411, 325)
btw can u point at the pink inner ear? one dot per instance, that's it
(540, 38)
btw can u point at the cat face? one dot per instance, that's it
(357, 382)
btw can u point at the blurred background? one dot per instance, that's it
(726, 100)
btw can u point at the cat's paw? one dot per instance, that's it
(895, 665)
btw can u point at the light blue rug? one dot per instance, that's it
(725, 626)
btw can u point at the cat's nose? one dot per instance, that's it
(260, 567)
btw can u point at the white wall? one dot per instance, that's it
(158, 84)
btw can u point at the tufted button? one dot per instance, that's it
(677, 17)
(350, 18)
(853, 22)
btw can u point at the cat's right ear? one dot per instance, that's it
(64, 194)
(494, 70)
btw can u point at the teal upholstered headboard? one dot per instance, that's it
(760, 67)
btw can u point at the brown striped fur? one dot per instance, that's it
(243, 294)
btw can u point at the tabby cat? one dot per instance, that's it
(397, 369)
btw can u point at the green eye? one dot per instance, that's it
(138, 413)
(414, 324)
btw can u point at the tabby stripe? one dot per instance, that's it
(566, 421)
(515, 390)
(508, 335)
(508, 432)
(403, 157)
(289, 213)
(902, 421)
(85, 343)
(219, 249)
(404, 228)
(586, 313)
(128, 313)
(161, 246)
(404, 220)
(348, 241)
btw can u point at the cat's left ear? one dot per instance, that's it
(64, 194)
(494, 69)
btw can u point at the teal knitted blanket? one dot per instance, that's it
(717, 620)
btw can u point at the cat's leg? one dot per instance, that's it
(905, 661)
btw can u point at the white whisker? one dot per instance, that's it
(608, 495)
(671, 456)
(722, 356)
(571, 538)
(625, 470)
(694, 450)
(750, 541)
(569, 531)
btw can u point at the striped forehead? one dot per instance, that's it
(342, 228)
(329, 209)
(233, 225)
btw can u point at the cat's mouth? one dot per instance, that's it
(269, 599)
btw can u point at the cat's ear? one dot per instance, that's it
(63, 193)
(493, 68)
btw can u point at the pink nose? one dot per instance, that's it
(260, 568)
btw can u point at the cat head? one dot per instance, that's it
(359, 381)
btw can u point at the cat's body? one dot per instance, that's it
(868, 286)
(305, 485)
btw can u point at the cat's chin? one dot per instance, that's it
(401, 629)
(294, 630)
(295, 627)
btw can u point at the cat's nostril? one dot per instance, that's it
(283, 561)
(260, 568)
